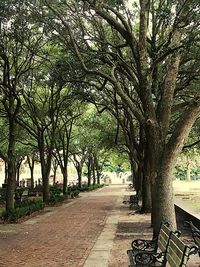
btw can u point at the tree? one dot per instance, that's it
(41, 109)
(19, 44)
(64, 131)
(157, 53)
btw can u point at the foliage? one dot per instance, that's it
(116, 162)
(54, 190)
(180, 172)
(56, 198)
(56, 195)
(73, 191)
(93, 187)
(24, 209)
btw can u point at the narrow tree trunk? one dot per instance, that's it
(11, 184)
(65, 179)
(89, 172)
(93, 172)
(188, 172)
(6, 173)
(45, 170)
(96, 165)
(18, 171)
(32, 176)
(31, 167)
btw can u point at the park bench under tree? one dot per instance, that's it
(177, 255)
(151, 246)
(134, 201)
(20, 197)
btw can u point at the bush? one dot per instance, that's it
(56, 198)
(74, 193)
(23, 209)
(93, 187)
(54, 189)
(84, 187)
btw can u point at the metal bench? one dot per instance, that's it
(24, 195)
(177, 255)
(20, 197)
(134, 201)
(153, 246)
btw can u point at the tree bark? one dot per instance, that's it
(79, 172)
(11, 184)
(146, 188)
(18, 165)
(31, 167)
(188, 170)
(163, 197)
(45, 160)
(65, 177)
(89, 172)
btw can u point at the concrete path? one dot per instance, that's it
(76, 234)
(100, 253)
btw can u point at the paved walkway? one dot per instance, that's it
(94, 230)
(66, 235)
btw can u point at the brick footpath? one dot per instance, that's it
(62, 237)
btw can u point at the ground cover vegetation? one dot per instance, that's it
(137, 62)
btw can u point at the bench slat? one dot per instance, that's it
(163, 238)
(177, 252)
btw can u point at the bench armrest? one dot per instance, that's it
(148, 258)
(194, 250)
(142, 244)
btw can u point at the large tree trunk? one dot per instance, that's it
(139, 180)
(146, 190)
(163, 197)
(163, 159)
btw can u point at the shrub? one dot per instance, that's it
(74, 193)
(56, 198)
(23, 209)
(54, 189)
